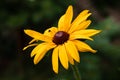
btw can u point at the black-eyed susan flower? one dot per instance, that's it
(66, 40)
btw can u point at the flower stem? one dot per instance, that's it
(76, 72)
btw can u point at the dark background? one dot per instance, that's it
(17, 15)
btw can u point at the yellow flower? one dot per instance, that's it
(66, 40)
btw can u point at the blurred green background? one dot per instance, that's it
(17, 15)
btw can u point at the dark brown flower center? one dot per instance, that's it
(60, 37)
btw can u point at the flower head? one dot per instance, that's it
(66, 40)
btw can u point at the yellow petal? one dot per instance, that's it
(55, 59)
(61, 23)
(82, 17)
(68, 17)
(39, 56)
(87, 32)
(50, 32)
(82, 25)
(35, 50)
(36, 35)
(43, 48)
(33, 40)
(29, 46)
(83, 47)
(74, 36)
(63, 56)
(72, 50)
(65, 21)
(40, 46)
(70, 59)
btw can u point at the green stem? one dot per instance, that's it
(76, 72)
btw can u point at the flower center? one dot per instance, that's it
(60, 37)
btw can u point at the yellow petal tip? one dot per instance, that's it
(94, 51)
(86, 10)
(24, 48)
(31, 55)
(56, 71)
(70, 6)
(25, 30)
(72, 63)
(35, 62)
(99, 31)
(66, 68)
(78, 60)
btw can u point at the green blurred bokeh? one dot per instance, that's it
(17, 15)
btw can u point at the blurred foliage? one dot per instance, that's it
(16, 15)
(108, 45)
